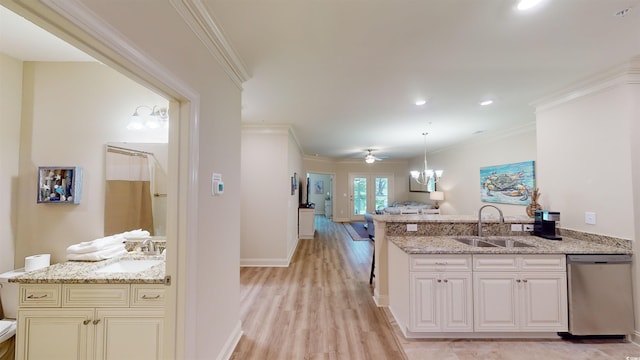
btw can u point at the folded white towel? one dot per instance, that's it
(135, 234)
(103, 254)
(95, 245)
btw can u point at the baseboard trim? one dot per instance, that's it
(264, 262)
(231, 343)
(634, 337)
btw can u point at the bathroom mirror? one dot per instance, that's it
(136, 187)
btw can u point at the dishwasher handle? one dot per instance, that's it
(599, 259)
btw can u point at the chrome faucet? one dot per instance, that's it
(149, 245)
(480, 217)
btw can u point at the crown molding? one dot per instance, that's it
(623, 74)
(204, 26)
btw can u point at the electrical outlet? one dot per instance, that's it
(412, 227)
(516, 227)
(528, 227)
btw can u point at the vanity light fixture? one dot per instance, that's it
(148, 117)
(423, 177)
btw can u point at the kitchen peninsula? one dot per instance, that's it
(438, 283)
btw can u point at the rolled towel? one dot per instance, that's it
(95, 245)
(103, 254)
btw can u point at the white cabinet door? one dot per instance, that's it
(457, 302)
(441, 302)
(124, 334)
(424, 302)
(544, 300)
(495, 302)
(50, 334)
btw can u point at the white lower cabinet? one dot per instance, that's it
(441, 294)
(78, 327)
(525, 293)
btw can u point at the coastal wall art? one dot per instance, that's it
(508, 183)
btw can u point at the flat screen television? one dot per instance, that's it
(304, 202)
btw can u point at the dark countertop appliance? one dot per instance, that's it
(544, 224)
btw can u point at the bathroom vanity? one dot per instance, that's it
(73, 311)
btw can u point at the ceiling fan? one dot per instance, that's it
(370, 158)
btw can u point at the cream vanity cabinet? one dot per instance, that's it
(90, 321)
(526, 293)
(440, 293)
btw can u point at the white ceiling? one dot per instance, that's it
(346, 73)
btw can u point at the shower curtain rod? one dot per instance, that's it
(131, 150)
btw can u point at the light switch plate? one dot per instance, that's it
(516, 227)
(590, 218)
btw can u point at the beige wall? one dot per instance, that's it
(10, 112)
(70, 111)
(342, 169)
(462, 163)
(584, 150)
(269, 235)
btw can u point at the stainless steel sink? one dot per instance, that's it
(508, 243)
(473, 242)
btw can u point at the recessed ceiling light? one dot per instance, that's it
(421, 102)
(486, 102)
(527, 4)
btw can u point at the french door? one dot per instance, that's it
(368, 193)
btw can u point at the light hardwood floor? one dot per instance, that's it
(321, 307)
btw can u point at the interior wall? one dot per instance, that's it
(266, 193)
(314, 196)
(66, 121)
(573, 138)
(293, 202)
(342, 169)
(461, 164)
(10, 112)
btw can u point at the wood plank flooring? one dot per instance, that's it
(321, 307)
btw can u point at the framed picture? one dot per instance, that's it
(414, 186)
(295, 181)
(294, 185)
(508, 183)
(59, 184)
(318, 187)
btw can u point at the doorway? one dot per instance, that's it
(368, 192)
(321, 193)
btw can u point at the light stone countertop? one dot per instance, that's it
(488, 217)
(447, 245)
(82, 272)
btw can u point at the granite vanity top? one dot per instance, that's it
(447, 245)
(82, 272)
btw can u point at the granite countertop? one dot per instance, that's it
(82, 272)
(447, 245)
(452, 218)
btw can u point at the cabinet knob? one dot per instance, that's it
(439, 280)
(525, 280)
(445, 280)
(86, 322)
(517, 280)
(96, 321)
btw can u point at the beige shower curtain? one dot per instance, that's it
(128, 192)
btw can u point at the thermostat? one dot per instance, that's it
(217, 186)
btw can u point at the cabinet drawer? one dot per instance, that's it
(543, 263)
(440, 263)
(146, 296)
(92, 295)
(39, 295)
(495, 263)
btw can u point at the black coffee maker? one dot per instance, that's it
(545, 224)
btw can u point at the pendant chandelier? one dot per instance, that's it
(424, 177)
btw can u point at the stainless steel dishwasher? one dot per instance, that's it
(600, 295)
